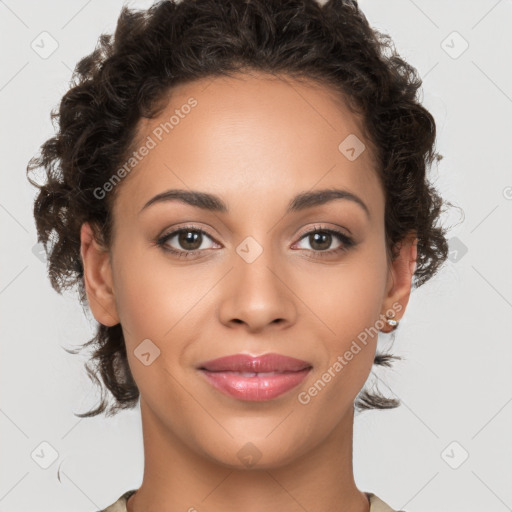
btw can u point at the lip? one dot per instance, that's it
(273, 375)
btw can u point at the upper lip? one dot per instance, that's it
(259, 364)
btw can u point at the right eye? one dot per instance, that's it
(189, 240)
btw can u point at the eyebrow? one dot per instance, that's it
(213, 203)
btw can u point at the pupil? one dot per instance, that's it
(324, 236)
(185, 239)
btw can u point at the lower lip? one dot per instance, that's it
(255, 389)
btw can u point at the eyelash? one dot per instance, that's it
(342, 237)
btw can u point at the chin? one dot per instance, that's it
(256, 453)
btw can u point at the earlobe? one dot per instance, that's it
(402, 269)
(98, 278)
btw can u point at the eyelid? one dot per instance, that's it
(171, 233)
(346, 241)
(325, 227)
(188, 225)
(175, 230)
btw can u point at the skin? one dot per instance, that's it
(256, 141)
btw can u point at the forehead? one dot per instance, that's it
(253, 136)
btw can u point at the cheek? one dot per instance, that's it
(350, 308)
(349, 296)
(151, 296)
(159, 302)
(349, 302)
(150, 305)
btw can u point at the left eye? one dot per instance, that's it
(321, 239)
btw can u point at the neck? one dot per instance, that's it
(178, 478)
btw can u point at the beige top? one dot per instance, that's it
(376, 504)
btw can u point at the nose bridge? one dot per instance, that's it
(257, 295)
(254, 266)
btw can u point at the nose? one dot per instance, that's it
(258, 294)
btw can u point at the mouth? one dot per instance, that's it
(252, 378)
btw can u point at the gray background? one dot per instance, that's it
(455, 379)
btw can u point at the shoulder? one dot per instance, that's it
(378, 505)
(120, 504)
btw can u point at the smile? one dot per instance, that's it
(255, 378)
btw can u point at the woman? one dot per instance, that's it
(239, 192)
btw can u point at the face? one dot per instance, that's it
(265, 271)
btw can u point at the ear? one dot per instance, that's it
(98, 277)
(400, 273)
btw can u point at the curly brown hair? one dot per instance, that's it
(127, 77)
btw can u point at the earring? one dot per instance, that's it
(391, 321)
